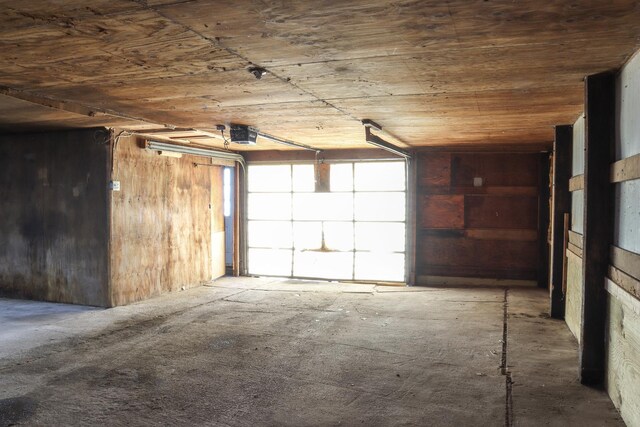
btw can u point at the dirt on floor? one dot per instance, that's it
(245, 352)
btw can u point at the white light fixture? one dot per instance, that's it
(194, 151)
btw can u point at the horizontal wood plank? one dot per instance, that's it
(498, 190)
(489, 211)
(626, 169)
(621, 294)
(442, 211)
(459, 252)
(434, 170)
(573, 255)
(575, 238)
(426, 280)
(626, 282)
(495, 170)
(497, 234)
(576, 183)
(574, 249)
(624, 260)
(524, 235)
(494, 273)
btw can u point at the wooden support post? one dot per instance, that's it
(323, 177)
(561, 205)
(412, 212)
(543, 221)
(239, 232)
(598, 205)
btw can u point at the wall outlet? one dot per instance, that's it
(477, 182)
(114, 185)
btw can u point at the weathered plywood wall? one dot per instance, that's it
(165, 221)
(623, 327)
(573, 304)
(486, 231)
(53, 216)
(573, 309)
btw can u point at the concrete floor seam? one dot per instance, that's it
(508, 419)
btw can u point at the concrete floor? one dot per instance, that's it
(246, 352)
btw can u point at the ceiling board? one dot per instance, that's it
(431, 72)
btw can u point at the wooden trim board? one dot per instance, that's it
(471, 281)
(627, 261)
(574, 249)
(626, 169)
(575, 238)
(622, 295)
(626, 282)
(576, 183)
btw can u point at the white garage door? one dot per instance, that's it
(356, 231)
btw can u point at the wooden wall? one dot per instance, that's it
(487, 231)
(167, 227)
(623, 282)
(573, 305)
(53, 216)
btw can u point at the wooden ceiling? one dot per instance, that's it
(432, 73)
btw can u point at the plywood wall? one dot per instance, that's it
(485, 231)
(623, 284)
(166, 223)
(53, 216)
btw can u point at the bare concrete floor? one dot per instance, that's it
(246, 352)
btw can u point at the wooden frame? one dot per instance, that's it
(561, 206)
(599, 145)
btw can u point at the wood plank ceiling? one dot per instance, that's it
(431, 72)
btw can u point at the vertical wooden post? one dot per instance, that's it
(561, 205)
(543, 221)
(599, 145)
(239, 261)
(412, 195)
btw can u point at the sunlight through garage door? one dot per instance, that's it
(356, 231)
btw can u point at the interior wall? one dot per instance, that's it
(573, 305)
(489, 230)
(53, 211)
(167, 224)
(623, 284)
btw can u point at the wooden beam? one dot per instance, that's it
(281, 156)
(412, 218)
(561, 205)
(543, 221)
(323, 177)
(598, 203)
(564, 255)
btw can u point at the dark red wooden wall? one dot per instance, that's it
(490, 231)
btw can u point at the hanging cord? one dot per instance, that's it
(226, 141)
(123, 133)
